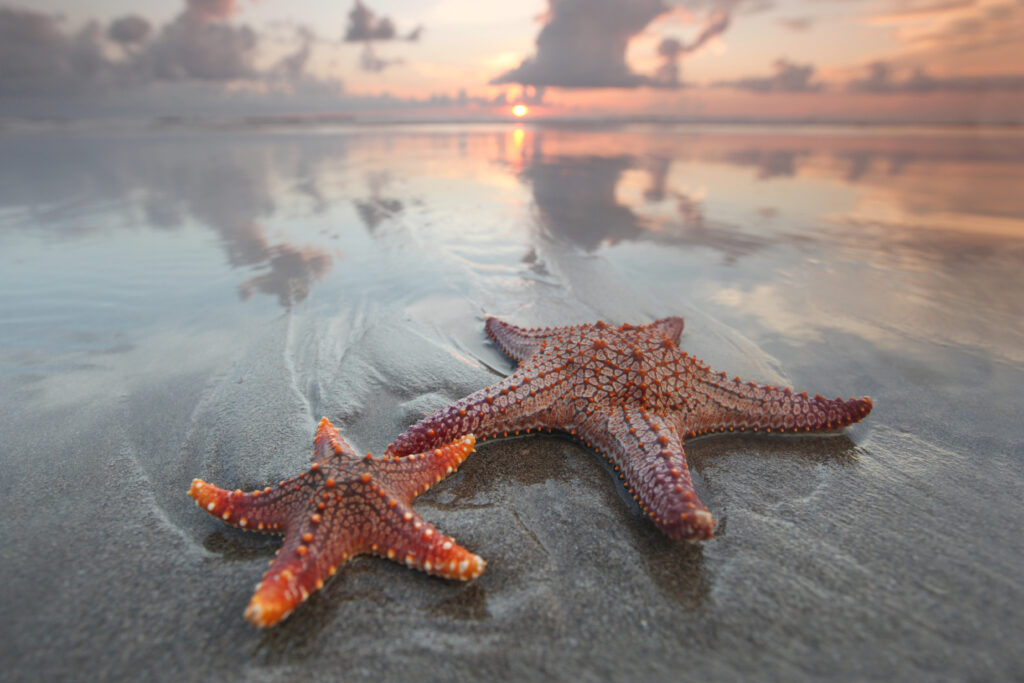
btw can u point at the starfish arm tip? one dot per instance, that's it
(866, 404)
(327, 442)
(253, 511)
(264, 611)
(476, 567)
(206, 495)
(465, 566)
(693, 526)
(449, 457)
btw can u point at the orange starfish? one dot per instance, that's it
(344, 505)
(632, 394)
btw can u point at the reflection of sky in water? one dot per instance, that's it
(883, 234)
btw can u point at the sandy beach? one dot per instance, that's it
(177, 302)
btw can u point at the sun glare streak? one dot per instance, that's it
(520, 110)
(517, 137)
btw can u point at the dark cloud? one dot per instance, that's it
(192, 47)
(717, 23)
(37, 57)
(789, 77)
(669, 50)
(47, 69)
(583, 44)
(880, 79)
(129, 31)
(369, 61)
(292, 66)
(364, 26)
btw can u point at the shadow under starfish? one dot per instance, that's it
(634, 396)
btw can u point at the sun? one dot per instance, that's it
(520, 110)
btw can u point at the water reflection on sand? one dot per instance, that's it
(932, 217)
(928, 220)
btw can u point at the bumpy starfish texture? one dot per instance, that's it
(344, 505)
(634, 396)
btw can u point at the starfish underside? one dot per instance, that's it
(632, 394)
(343, 505)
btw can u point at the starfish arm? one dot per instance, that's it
(404, 536)
(671, 327)
(314, 547)
(722, 404)
(513, 404)
(648, 452)
(411, 475)
(328, 443)
(262, 510)
(517, 342)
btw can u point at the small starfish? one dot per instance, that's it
(632, 394)
(344, 505)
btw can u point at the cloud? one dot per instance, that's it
(187, 64)
(950, 26)
(364, 26)
(37, 57)
(194, 47)
(917, 11)
(669, 50)
(369, 61)
(129, 31)
(292, 66)
(789, 77)
(717, 23)
(880, 79)
(583, 44)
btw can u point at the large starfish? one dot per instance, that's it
(632, 394)
(344, 505)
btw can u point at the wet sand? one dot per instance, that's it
(193, 305)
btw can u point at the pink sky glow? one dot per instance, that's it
(924, 61)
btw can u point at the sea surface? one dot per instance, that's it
(181, 301)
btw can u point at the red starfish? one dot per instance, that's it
(344, 505)
(633, 395)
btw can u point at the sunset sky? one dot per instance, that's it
(846, 60)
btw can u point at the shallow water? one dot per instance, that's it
(179, 302)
